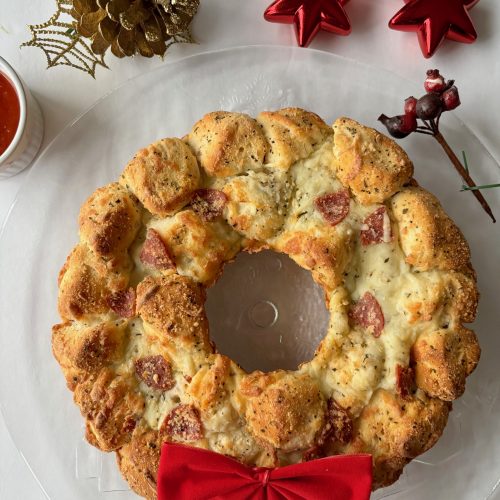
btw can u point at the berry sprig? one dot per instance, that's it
(441, 96)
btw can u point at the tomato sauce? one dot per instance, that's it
(9, 113)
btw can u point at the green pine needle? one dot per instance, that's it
(476, 188)
(465, 161)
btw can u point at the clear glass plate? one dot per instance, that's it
(42, 227)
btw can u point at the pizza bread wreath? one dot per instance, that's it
(134, 343)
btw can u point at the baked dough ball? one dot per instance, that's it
(198, 248)
(257, 204)
(171, 308)
(286, 411)
(86, 286)
(83, 350)
(139, 459)
(112, 406)
(429, 238)
(109, 221)
(443, 359)
(373, 166)
(228, 143)
(163, 176)
(134, 342)
(293, 134)
(396, 430)
(210, 384)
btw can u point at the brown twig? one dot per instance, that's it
(463, 172)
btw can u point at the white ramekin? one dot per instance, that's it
(28, 139)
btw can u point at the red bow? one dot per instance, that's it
(188, 473)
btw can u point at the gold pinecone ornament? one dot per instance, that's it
(145, 27)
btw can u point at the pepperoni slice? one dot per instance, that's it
(208, 203)
(338, 428)
(155, 372)
(123, 303)
(376, 228)
(405, 381)
(183, 423)
(368, 314)
(334, 207)
(313, 453)
(129, 424)
(339, 425)
(155, 253)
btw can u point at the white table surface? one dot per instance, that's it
(65, 93)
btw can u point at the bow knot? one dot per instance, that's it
(262, 475)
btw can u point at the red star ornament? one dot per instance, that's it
(435, 20)
(309, 16)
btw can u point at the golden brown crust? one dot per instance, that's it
(83, 349)
(354, 365)
(289, 413)
(325, 255)
(84, 286)
(429, 238)
(464, 296)
(443, 359)
(112, 406)
(109, 221)
(138, 461)
(370, 164)
(163, 176)
(173, 307)
(228, 143)
(293, 134)
(199, 249)
(208, 386)
(395, 431)
(453, 295)
(257, 204)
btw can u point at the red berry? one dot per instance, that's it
(450, 98)
(409, 123)
(398, 126)
(411, 106)
(434, 81)
(429, 106)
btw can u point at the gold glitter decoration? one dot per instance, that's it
(81, 31)
(62, 44)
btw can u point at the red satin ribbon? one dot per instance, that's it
(188, 473)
